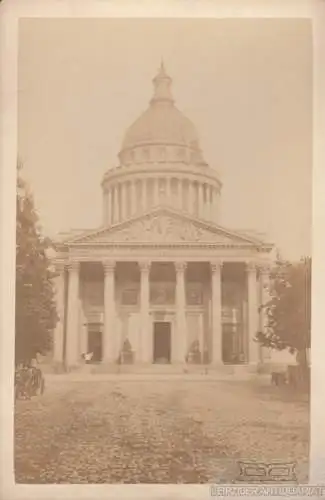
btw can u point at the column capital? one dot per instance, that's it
(59, 266)
(216, 265)
(73, 266)
(180, 267)
(144, 266)
(264, 269)
(251, 267)
(109, 266)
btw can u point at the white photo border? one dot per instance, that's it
(11, 11)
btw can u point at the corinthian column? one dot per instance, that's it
(123, 202)
(181, 194)
(146, 334)
(133, 201)
(264, 298)
(144, 195)
(109, 311)
(216, 284)
(181, 336)
(156, 192)
(215, 205)
(208, 202)
(212, 204)
(168, 194)
(191, 197)
(105, 208)
(72, 346)
(178, 193)
(116, 204)
(253, 347)
(109, 208)
(200, 188)
(58, 333)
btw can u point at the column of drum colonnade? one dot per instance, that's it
(72, 354)
(122, 201)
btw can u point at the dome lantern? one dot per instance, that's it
(162, 87)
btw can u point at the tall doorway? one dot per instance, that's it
(95, 345)
(161, 342)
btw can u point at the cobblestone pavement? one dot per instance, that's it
(172, 431)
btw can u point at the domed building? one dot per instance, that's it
(161, 281)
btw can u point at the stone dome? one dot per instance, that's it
(161, 165)
(162, 123)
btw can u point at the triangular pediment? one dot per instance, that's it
(164, 226)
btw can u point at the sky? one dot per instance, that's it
(246, 84)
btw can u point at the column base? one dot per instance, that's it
(216, 364)
(253, 366)
(179, 365)
(109, 361)
(72, 367)
(58, 367)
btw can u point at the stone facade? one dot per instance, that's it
(161, 280)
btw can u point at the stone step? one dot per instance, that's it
(232, 371)
(164, 369)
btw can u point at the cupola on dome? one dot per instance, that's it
(162, 124)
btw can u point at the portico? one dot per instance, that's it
(207, 308)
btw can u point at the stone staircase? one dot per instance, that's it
(159, 371)
(174, 369)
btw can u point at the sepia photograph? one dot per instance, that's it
(163, 251)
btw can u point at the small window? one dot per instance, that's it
(161, 294)
(194, 296)
(162, 153)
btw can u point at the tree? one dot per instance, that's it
(36, 314)
(289, 308)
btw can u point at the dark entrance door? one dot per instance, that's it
(95, 345)
(161, 342)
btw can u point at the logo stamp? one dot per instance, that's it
(267, 472)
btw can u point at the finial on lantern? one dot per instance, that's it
(162, 83)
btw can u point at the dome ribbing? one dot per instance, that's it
(162, 123)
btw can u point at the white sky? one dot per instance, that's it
(245, 84)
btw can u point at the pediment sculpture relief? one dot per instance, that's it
(162, 229)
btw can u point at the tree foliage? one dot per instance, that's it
(36, 314)
(288, 310)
